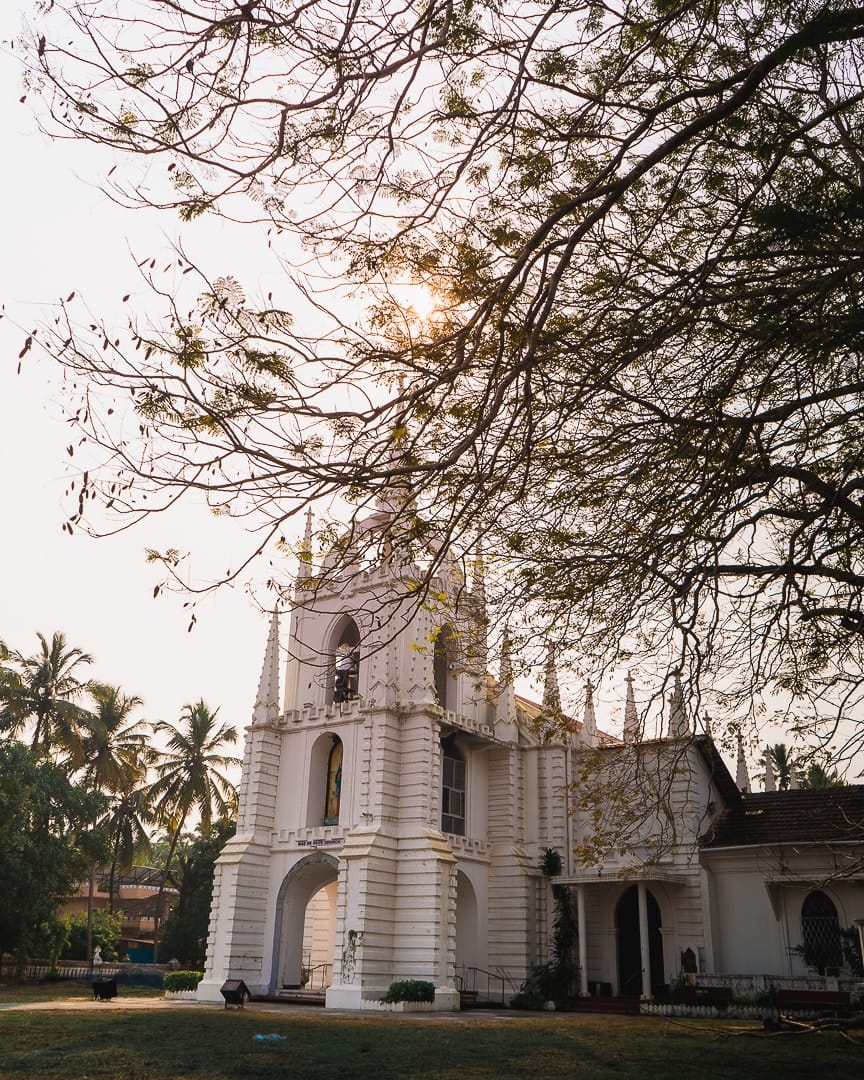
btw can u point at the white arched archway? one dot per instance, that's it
(319, 937)
(630, 952)
(470, 945)
(821, 943)
(303, 882)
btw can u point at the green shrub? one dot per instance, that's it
(182, 980)
(530, 994)
(107, 928)
(550, 862)
(410, 990)
(547, 982)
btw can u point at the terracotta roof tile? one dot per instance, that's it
(823, 815)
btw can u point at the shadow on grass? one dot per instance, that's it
(21, 993)
(187, 1044)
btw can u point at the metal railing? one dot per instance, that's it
(317, 977)
(497, 986)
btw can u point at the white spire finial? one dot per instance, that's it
(505, 671)
(551, 705)
(267, 700)
(678, 726)
(551, 691)
(505, 722)
(394, 494)
(742, 777)
(589, 718)
(477, 643)
(631, 716)
(770, 784)
(305, 570)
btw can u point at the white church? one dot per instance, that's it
(397, 801)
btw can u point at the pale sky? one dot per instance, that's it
(60, 233)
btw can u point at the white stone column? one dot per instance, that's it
(583, 941)
(644, 943)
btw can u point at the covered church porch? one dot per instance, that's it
(626, 939)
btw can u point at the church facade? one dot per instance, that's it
(396, 803)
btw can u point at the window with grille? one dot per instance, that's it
(820, 932)
(452, 789)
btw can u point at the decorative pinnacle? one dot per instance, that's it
(505, 671)
(742, 777)
(305, 570)
(267, 700)
(770, 782)
(551, 690)
(678, 725)
(589, 717)
(631, 716)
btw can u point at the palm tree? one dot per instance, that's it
(41, 690)
(115, 751)
(116, 754)
(783, 765)
(190, 777)
(126, 825)
(9, 680)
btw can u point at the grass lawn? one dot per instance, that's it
(188, 1044)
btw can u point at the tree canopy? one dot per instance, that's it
(41, 692)
(92, 787)
(185, 933)
(43, 817)
(190, 776)
(642, 228)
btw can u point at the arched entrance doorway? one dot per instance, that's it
(820, 932)
(629, 944)
(319, 938)
(469, 947)
(306, 923)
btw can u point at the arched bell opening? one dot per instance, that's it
(342, 660)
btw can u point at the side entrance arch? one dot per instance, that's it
(470, 945)
(630, 942)
(305, 922)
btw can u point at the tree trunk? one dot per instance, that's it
(91, 889)
(158, 913)
(111, 886)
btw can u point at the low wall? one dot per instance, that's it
(146, 974)
(751, 985)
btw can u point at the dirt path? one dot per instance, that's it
(79, 1004)
(123, 1004)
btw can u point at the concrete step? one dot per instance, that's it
(299, 996)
